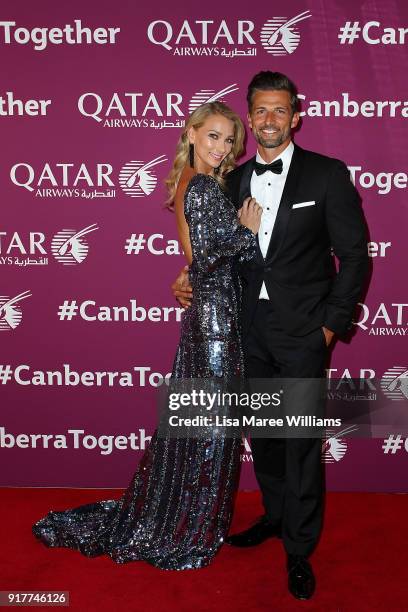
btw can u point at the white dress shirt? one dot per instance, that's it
(267, 189)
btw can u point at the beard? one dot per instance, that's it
(271, 143)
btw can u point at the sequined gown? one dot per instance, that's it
(177, 509)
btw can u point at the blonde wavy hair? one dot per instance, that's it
(196, 120)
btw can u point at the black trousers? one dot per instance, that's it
(289, 471)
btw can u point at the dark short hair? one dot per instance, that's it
(268, 80)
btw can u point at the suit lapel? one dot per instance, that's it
(245, 182)
(285, 205)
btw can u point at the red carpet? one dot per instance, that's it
(361, 563)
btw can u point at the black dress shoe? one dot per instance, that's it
(301, 580)
(258, 533)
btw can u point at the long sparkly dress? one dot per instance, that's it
(178, 506)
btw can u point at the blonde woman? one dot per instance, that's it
(177, 509)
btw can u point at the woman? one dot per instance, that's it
(178, 506)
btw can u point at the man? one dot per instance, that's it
(293, 304)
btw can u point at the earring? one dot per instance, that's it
(191, 155)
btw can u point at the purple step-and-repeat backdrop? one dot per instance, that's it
(92, 102)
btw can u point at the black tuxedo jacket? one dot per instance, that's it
(299, 270)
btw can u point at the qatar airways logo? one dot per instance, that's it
(153, 110)
(384, 319)
(10, 310)
(136, 178)
(335, 444)
(394, 383)
(240, 38)
(204, 96)
(364, 384)
(68, 246)
(281, 36)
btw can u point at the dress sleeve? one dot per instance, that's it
(214, 235)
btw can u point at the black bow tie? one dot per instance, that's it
(276, 167)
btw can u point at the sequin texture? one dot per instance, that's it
(177, 509)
